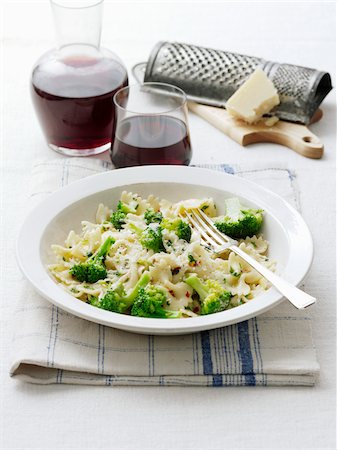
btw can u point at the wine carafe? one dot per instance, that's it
(73, 85)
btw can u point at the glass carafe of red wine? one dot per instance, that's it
(73, 85)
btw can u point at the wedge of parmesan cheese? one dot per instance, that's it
(257, 96)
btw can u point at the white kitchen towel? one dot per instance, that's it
(53, 346)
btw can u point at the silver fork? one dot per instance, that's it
(220, 242)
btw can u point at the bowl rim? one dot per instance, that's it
(36, 223)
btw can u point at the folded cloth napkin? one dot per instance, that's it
(52, 346)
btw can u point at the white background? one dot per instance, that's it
(73, 417)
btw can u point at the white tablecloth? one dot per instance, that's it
(69, 417)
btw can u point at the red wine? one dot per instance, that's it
(145, 140)
(73, 100)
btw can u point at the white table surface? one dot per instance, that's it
(74, 417)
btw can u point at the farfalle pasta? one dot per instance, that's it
(151, 241)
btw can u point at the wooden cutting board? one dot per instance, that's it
(295, 136)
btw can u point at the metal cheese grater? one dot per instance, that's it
(211, 76)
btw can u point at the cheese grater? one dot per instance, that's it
(211, 76)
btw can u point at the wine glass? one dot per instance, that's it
(151, 126)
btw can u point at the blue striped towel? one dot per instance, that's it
(52, 346)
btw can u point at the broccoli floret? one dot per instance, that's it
(128, 208)
(239, 222)
(151, 216)
(149, 303)
(116, 300)
(152, 239)
(213, 297)
(118, 219)
(180, 227)
(93, 269)
(184, 231)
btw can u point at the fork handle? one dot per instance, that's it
(297, 297)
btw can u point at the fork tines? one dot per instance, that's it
(207, 230)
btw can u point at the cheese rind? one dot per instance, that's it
(256, 97)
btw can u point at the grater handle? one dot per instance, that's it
(295, 136)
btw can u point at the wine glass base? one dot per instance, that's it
(80, 152)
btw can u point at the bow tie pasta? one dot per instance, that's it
(143, 258)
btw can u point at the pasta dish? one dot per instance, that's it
(143, 258)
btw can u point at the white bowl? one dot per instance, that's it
(290, 240)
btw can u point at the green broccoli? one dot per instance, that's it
(128, 208)
(94, 268)
(239, 222)
(149, 303)
(213, 297)
(152, 239)
(118, 219)
(180, 227)
(151, 216)
(116, 300)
